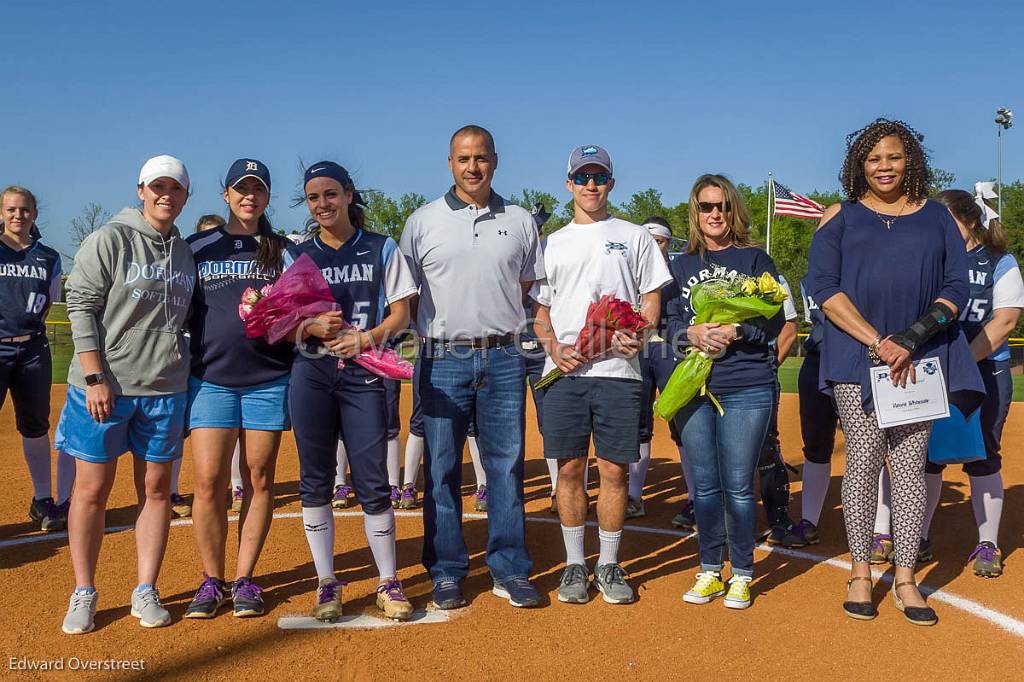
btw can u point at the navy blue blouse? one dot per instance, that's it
(891, 276)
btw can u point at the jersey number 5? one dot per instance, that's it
(360, 314)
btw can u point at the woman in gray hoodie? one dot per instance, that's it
(128, 298)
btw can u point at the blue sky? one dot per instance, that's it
(672, 89)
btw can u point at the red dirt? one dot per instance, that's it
(794, 629)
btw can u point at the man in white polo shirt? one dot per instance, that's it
(595, 254)
(473, 255)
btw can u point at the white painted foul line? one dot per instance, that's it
(362, 621)
(997, 618)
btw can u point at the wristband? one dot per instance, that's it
(935, 319)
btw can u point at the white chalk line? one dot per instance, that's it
(997, 618)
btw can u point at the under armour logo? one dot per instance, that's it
(251, 166)
(504, 232)
(238, 244)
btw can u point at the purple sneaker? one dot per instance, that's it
(988, 560)
(396, 496)
(481, 499)
(342, 495)
(209, 598)
(328, 599)
(245, 595)
(391, 600)
(408, 500)
(237, 498)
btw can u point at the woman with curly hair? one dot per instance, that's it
(889, 269)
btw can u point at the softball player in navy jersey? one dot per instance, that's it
(29, 284)
(237, 390)
(818, 420)
(996, 300)
(129, 296)
(367, 274)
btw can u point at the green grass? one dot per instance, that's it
(791, 369)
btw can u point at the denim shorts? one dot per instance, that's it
(150, 426)
(609, 408)
(263, 407)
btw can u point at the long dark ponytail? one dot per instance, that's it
(270, 252)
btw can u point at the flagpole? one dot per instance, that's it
(768, 231)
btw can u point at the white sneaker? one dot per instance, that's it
(81, 612)
(147, 608)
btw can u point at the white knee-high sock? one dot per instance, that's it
(609, 546)
(37, 457)
(394, 462)
(987, 502)
(340, 475)
(572, 536)
(553, 473)
(816, 477)
(638, 472)
(687, 473)
(380, 535)
(65, 476)
(933, 486)
(236, 467)
(883, 515)
(318, 523)
(413, 455)
(175, 475)
(478, 467)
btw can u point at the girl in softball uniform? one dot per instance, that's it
(367, 275)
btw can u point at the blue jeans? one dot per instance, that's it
(455, 384)
(723, 450)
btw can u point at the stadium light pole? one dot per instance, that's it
(1004, 120)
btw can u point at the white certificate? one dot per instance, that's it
(923, 401)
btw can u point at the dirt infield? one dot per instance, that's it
(795, 628)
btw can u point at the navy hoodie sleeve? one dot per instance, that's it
(678, 309)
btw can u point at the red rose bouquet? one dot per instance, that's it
(604, 317)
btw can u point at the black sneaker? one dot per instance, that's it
(47, 515)
(685, 519)
(924, 551)
(245, 595)
(209, 598)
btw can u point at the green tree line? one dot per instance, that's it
(791, 237)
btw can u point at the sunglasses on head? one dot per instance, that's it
(599, 179)
(709, 206)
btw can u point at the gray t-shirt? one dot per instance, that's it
(470, 264)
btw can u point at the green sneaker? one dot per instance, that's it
(708, 586)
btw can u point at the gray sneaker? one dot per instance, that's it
(147, 608)
(635, 509)
(610, 580)
(81, 611)
(575, 584)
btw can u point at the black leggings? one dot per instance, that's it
(818, 416)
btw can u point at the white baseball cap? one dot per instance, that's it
(163, 166)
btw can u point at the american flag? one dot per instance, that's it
(791, 203)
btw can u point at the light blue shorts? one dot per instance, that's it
(151, 427)
(263, 407)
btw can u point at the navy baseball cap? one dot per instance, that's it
(589, 154)
(247, 168)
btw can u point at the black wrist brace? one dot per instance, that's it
(935, 319)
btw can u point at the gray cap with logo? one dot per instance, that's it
(589, 154)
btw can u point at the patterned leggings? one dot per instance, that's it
(866, 450)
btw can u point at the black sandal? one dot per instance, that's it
(860, 610)
(918, 615)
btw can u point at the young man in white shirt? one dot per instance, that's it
(596, 254)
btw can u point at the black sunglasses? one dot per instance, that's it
(599, 179)
(709, 206)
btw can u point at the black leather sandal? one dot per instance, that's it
(918, 615)
(860, 610)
